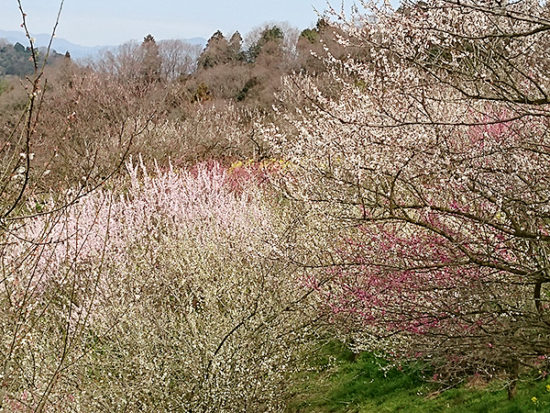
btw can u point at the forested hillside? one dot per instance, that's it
(16, 59)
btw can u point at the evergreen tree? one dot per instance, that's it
(235, 47)
(151, 63)
(271, 41)
(215, 52)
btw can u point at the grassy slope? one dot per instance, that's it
(340, 382)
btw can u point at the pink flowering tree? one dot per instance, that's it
(176, 293)
(48, 276)
(429, 163)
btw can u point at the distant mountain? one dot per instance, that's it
(200, 41)
(61, 45)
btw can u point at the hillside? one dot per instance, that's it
(77, 51)
(16, 59)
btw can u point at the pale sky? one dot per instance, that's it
(110, 22)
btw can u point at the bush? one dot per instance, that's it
(170, 296)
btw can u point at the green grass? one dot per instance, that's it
(340, 381)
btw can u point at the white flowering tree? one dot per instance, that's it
(46, 294)
(431, 164)
(169, 293)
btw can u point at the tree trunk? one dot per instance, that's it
(512, 384)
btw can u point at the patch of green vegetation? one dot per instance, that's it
(16, 59)
(340, 381)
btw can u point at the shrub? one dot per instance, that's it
(176, 298)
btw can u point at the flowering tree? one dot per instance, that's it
(48, 282)
(431, 163)
(176, 298)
